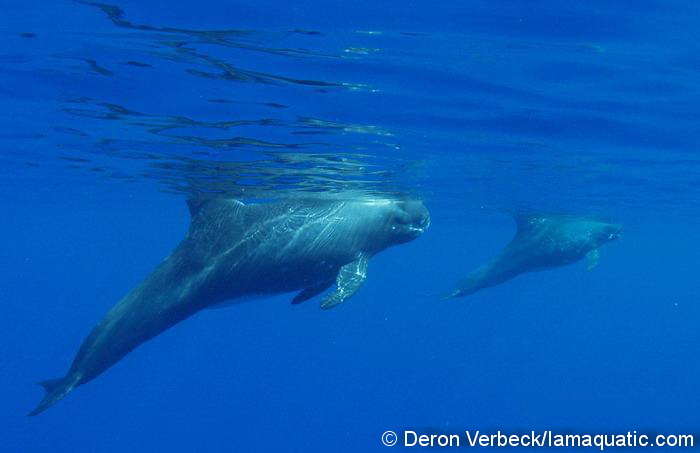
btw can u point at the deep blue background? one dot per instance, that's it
(576, 106)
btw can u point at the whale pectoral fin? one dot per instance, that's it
(308, 293)
(349, 280)
(592, 257)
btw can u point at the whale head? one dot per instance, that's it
(580, 234)
(606, 232)
(381, 223)
(407, 220)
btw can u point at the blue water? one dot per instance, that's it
(113, 114)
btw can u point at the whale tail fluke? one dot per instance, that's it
(55, 389)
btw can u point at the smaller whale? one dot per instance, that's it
(542, 242)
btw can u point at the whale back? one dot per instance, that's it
(306, 225)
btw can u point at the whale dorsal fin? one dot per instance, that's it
(196, 204)
(525, 222)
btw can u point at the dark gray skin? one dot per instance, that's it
(541, 242)
(234, 251)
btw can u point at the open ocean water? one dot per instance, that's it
(113, 114)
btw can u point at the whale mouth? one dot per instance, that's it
(614, 233)
(420, 229)
(412, 220)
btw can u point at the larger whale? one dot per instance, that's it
(541, 242)
(234, 251)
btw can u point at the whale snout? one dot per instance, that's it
(418, 214)
(613, 232)
(414, 218)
